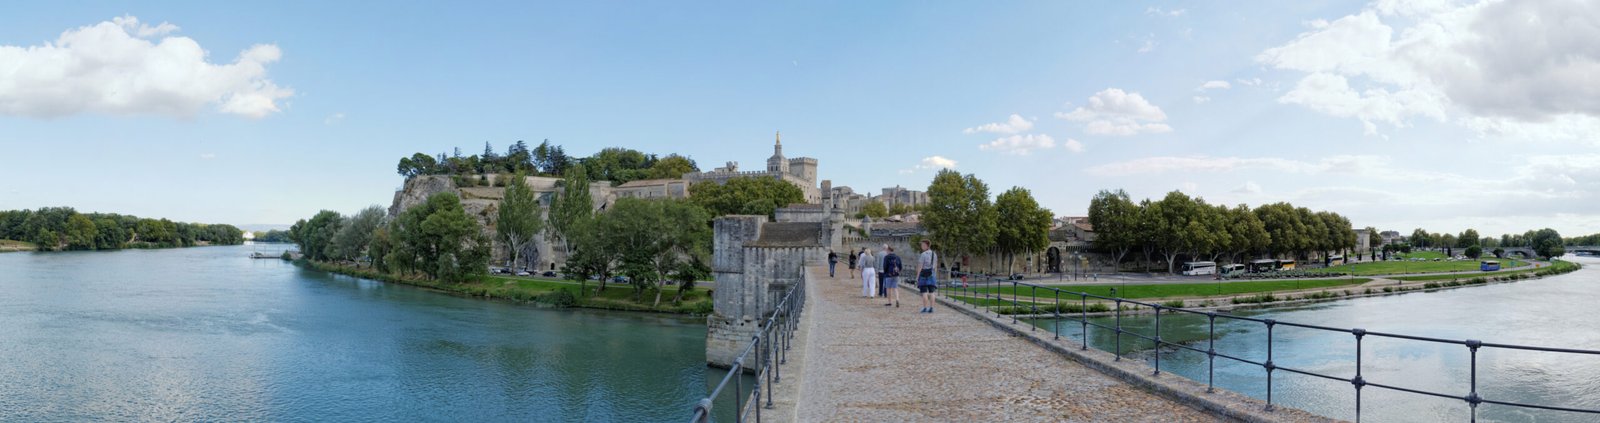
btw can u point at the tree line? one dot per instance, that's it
(63, 228)
(652, 242)
(962, 220)
(617, 165)
(1181, 225)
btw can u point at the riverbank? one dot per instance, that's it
(1039, 302)
(543, 292)
(9, 246)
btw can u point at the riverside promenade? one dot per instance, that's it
(860, 361)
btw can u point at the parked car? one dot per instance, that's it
(523, 273)
(549, 273)
(620, 279)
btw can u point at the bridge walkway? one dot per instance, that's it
(867, 362)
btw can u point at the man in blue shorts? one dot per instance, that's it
(927, 283)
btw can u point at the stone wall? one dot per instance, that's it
(754, 262)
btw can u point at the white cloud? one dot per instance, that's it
(1149, 44)
(1216, 84)
(1013, 124)
(1485, 65)
(1073, 145)
(333, 118)
(1200, 99)
(1156, 11)
(1249, 187)
(1250, 82)
(208, 156)
(1115, 112)
(1020, 144)
(931, 163)
(117, 67)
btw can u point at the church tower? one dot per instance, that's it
(777, 163)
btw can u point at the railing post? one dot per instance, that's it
(1211, 354)
(1158, 341)
(1033, 298)
(1014, 304)
(1056, 326)
(738, 385)
(1083, 318)
(1358, 381)
(1472, 398)
(1119, 328)
(1268, 365)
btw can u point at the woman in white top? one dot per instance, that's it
(869, 274)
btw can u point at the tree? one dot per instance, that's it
(1249, 234)
(1468, 238)
(1283, 227)
(1115, 220)
(317, 235)
(960, 219)
(1499, 252)
(1170, 221)
(1473, 252)
(80, 232)
(1547, 243)
(875, 210)
(439, 239)
(672, 167)
(745, 195)
(571, 208)
(355, 234)
(1022, 225)
(1419, 238)
(656, 237)
(900, 209)
(519, 219)
(618, 165)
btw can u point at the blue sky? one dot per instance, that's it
(1398, 114)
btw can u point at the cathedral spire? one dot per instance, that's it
(780, 138)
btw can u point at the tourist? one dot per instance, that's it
(869, 273)
(927, 282)
(833, 261)
(853, 258)
(891, 275)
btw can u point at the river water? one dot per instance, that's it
(207, 334)
(1557, 311)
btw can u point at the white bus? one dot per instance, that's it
(1195, 268)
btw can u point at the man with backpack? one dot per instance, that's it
(891, 275)
(927, 282)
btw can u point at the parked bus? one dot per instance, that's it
(1263, 265)
(1335, 260)
(1195, 268)
(1489, 265)
(1285, 264)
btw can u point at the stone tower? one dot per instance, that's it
(777, 163)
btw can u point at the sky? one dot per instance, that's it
(1444, 115)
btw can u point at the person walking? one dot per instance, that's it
(853, 258)
(833, 261)
(869, 273)
(927, 281)
(891, 276)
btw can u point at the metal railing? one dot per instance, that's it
(770, 347)
(990, 290)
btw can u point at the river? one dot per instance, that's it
(1557, 311)
(207, 334)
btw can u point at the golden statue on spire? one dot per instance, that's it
(780, 137)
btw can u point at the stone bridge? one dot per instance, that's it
(1528, 251)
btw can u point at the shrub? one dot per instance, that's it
(559, 298)
(1173, 304)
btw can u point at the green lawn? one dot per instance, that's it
(1559, 265)
(1409, 267)
(1171, 290)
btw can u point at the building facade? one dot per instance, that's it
(799, 171)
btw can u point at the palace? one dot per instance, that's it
(800, 171)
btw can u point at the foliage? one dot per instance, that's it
(1547, 243)
(654, 238)
(316, 235)
(874, 209)
(672, 166)
(355, 233)
(1115, 220)
(960, 219)
(1022, 225)
(438, 239)
(745, 195)
(518, 220)
(63, 228)
(273, 235)
(1474, 251)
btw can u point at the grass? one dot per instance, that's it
(1405, 267)
(552, 292)
(7, 245)
(1180, 290)
(1558, 267)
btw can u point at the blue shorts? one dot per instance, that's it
(927, 284)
